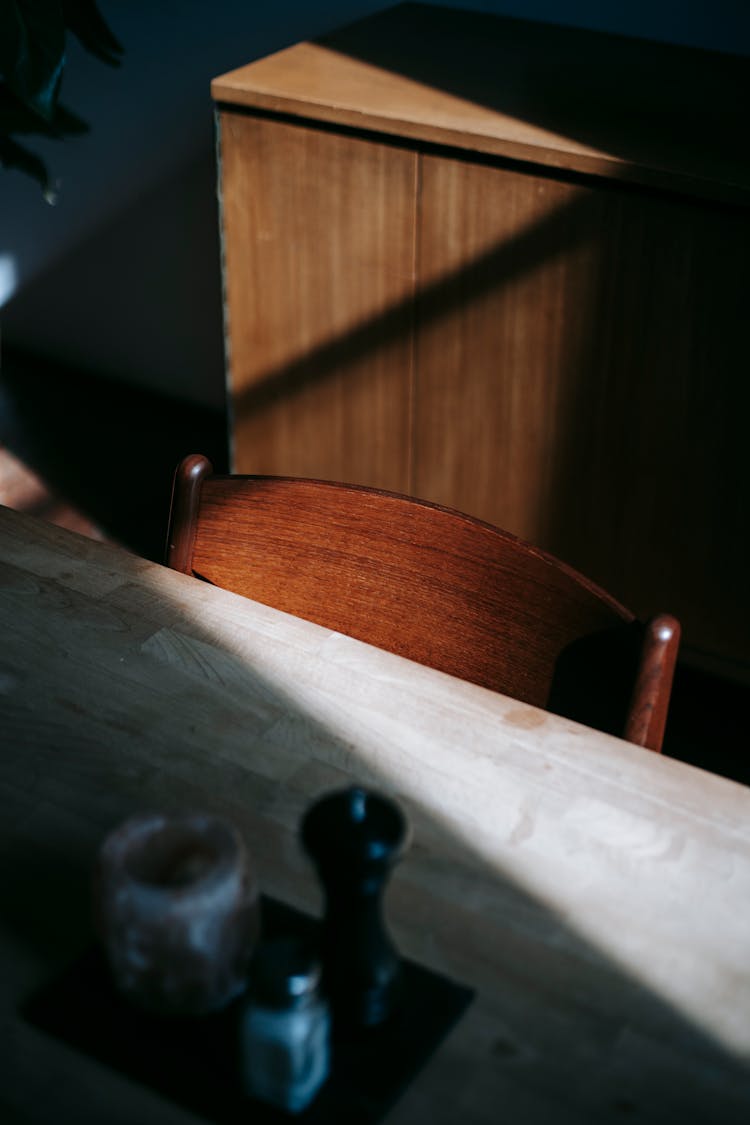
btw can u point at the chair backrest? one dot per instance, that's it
(428, 583)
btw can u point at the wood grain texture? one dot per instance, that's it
(319, 243)
(568, 358)
(496, 324)
(430, 584)
(580, 382)
(590, 891)
(565, 98)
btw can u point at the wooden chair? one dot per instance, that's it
(430, 584)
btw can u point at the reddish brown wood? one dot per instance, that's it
(417, 579)
(647, 715)
(183, 516)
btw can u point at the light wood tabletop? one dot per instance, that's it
(596, 896)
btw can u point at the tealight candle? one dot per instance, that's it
(178, 911)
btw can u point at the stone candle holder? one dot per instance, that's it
(177, 906)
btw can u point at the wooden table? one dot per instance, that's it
(595, 895)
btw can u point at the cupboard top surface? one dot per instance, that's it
(576, 100)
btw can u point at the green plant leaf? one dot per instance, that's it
(17, 117)
(87, 24)
(32, 51)
(14, 155)
(32, 59)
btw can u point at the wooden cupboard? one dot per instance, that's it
(503, 266)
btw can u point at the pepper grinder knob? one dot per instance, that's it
(354, 837)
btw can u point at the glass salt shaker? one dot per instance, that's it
(285, 1027)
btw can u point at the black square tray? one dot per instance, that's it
(194, 1060)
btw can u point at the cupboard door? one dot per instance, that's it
(582, 382)
(498, 335)
(319, 274)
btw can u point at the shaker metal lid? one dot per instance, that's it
(284, 972)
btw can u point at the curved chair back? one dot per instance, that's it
(430, 584)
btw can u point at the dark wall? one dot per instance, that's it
(121, 277)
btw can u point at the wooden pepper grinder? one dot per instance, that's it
(354, 837)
